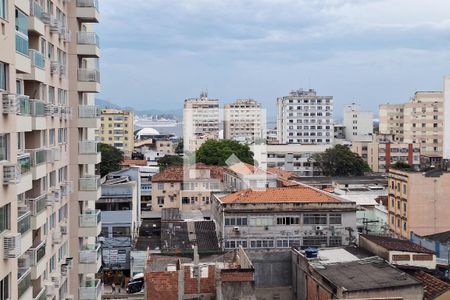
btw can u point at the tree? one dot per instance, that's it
(216, 152)
(402, 165)
(169, 160)
(180, 147)
(111, 158)
(340, 161)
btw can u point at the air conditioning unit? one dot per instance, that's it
(62, 71)
(64, 269)
(68, 36)
(54, 67)
(9, 104)
(11, 246)
(69, 262)
(56, 237)
(236, 229)
(54, 25)
(320, 227)
(50, 289)
(11, 174)
(46, 18)
(64, 229)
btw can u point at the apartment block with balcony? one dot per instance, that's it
(244, 121)
(418, 202)
(419, 121)
(117, 129)
(303, 117)
(200, 121)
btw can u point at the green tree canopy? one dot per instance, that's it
(169, 160)
(402, 165)
(180, 147)
(111, 158)
(216, 152)
(340, 161)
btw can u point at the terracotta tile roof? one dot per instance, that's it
(281, 173)
(287, 183)
(242, 168)
(432, 286)
(279, 195)
(131, 162)
(179, 173)
(396, 244)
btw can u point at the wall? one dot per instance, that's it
(406, 293)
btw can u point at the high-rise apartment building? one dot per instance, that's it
(358, 124)
(243, 121)
(48, 74)
(303, 117)
(419, 121)
(200, 121)
(116, 129)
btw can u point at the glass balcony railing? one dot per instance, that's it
(24, 162)
(90, 254)
(90, 219)
(37, 205)
(38, 156)
(88, 147)
(87, 3)
(21, 43)
(37, 59)
(89, 183)
(37, 108)
(89, 111)
(24, 221)
(36, 9)
(90, 289)
(41, 295)
(88, 75)
(87, 38)
(36, 253)
(24, 282)
(23, 103)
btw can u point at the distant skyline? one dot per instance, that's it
(156, 53)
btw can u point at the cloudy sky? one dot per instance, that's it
(155, 53)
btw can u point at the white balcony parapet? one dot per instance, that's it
(88, 75)
(87, 38)
(88, 147)
(89, 183)
(90, 219)
(90, 289)
(90, 254)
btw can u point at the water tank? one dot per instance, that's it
(311, 252)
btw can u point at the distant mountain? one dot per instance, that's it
(175, 113)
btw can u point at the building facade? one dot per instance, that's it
(244, 121)
(420, 121)
(418, 202)
(283, 217)
(200, 121)
(303, 117)
(358, 123)
(117, 129)
(48, 77)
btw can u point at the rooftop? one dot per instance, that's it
(300, 193)
(443, 237)
(180, 173)
(135, 162)
(432, 286)
(393, 244)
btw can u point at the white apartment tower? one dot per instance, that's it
(303, 117)
(244, 121)
(358, 123)
(48, 223)
(420, 121)
(200, 121)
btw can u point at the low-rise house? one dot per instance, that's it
(283, 217)
(438, 242)
(402, 253)
(433, 288)
(343, 274)
(186, 187)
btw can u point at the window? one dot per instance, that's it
(4, 288)
(3, 75)
(261, 221)
(335, 219)
(160, 200)
(335, 241)
(239, 221)
(4, 147)
(51, 135)
(160, 186)
(316, 241)
(185, 200)
(314, 219)
(288, 220)
(5, 215)
(21, 32)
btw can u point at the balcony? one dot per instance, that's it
(37, 208)
(89, 116)
(24, 227)
(90, 224)
(26, 179)
(36, 18)
(38, 162)
(87, 11)
(41, 295)
(90, 259)
(88, 44)
(89, 188)
(38, 264)
(37, 66)
(38, 114)
(88, 80)
(23, 111)
(11, 173)
(90, 289)
(25, 290)
(23, 64)
(88, 153)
